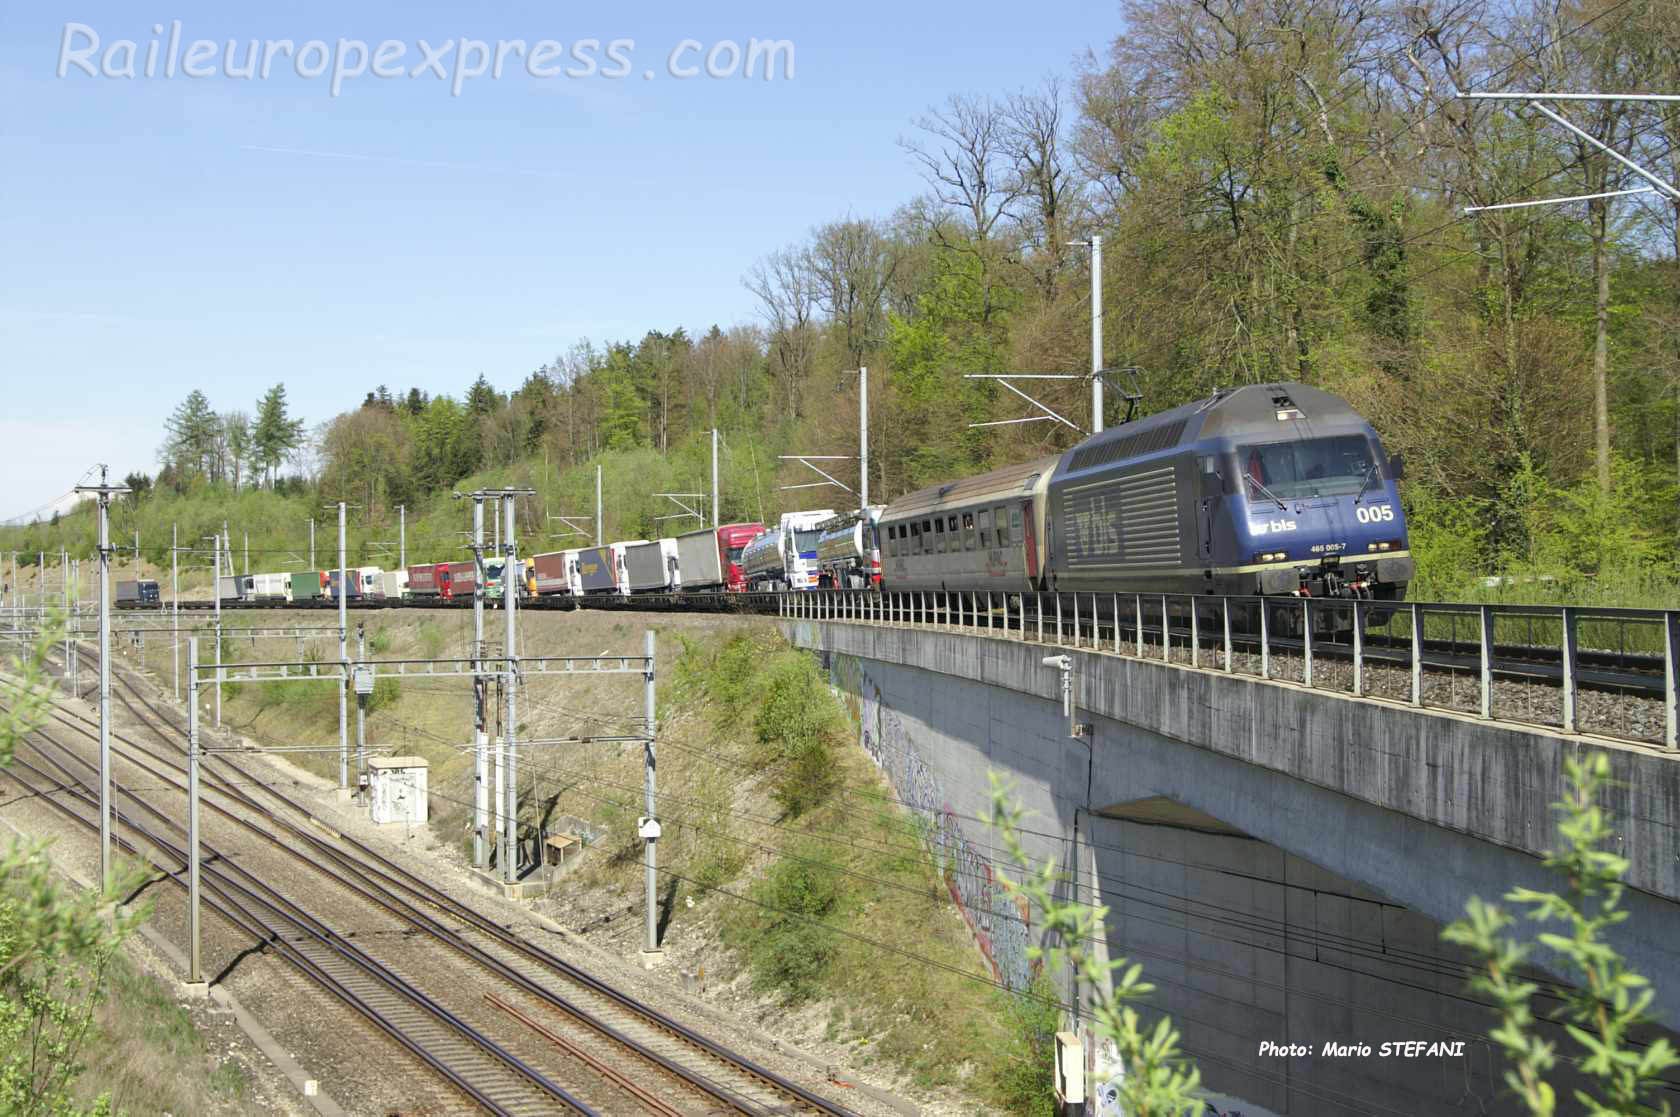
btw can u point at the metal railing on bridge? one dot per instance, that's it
(1607, 672)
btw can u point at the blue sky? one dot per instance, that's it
(168, 234)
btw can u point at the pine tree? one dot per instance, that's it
(275, 435)
(482, 398)
(236, 433)
(194, 430)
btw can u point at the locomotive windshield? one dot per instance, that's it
(1333, 466)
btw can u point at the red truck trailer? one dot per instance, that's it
(423, 580)
(457, 580)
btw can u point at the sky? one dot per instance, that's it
(162, 233)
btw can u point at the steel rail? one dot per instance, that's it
(224, 904)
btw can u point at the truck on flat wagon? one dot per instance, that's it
(138, 594)
(494, 584)
(652, 567)
(553, 572)
(394, 584)
(233, 587)
(271, 588)
(709, 560)
(849, 550)
(371, 577)
(423, 579)
(601, 569)
(457, 580)
(356, 581)
(306, 586)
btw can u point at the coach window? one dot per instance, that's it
(968, 529)
(927, 537)
(939, 536)
(1002, 522)
(892, 541)
(985, 521)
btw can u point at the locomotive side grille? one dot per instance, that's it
(1144, 442)
(1131, 520)
(1149, 518)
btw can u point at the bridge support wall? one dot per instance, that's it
(1279, 859)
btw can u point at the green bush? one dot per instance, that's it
(794, 729)
(1021, 1079)
(787, 942)
(229, 1078)
(386, 692)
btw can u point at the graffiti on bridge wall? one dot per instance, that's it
(1001, 925)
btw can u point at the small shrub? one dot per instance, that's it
(718, 857)
(788, 944)
(794, 729)
(1021, 1079)
(734, 673)
(386, 692)
(379, 642)
(229, 1078)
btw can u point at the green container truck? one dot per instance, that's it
(306, 586)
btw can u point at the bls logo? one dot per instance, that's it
(1272, 526)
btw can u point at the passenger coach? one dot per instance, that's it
(977, 533)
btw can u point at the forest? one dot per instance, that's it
(1283, 192)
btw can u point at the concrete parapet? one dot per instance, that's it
(1491, 780)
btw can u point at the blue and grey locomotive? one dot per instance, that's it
(1265, 489)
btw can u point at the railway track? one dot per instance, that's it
(611, 1029)
(1604, 668)
(466, 1058)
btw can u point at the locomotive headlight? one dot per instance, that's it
(1386, 545)
(1271, 556)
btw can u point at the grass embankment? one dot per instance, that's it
(786, 839)
(785, 859)
(146, 1054)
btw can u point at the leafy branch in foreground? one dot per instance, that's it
(55, 943)
(1158, 1081)
(1606, 1001)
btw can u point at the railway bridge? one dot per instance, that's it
(1279, 846)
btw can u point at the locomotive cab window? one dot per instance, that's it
(1334, 466)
